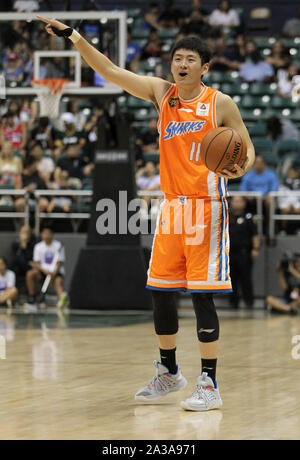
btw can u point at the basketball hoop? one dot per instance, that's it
(49, 91)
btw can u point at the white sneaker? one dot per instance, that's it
(206, 396)
(162, 384)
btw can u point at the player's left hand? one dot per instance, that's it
(233, 174)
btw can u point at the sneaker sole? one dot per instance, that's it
(187, 407)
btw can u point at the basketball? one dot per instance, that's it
(221, 148)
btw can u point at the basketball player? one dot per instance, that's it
(188, 110)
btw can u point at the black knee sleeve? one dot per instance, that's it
(207, 318)
(165, 312)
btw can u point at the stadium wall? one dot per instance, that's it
(265, 277)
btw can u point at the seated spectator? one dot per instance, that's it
(26, 6)
(285, 80)
(224, 16)
(153, 47)
(280, 129)
(291, 27)
(80, 117)
(31, 181)
(15, 133)
(20, 116)
(250, 47)
(60, 203)
(8, 290)
(45, 254)
(163, 68)
(10, 167)
(196, 21)
(256, 69)
(289, 284)
(148, 140)
(133, 53)
(152, 16)
(279, 58)
(148, 179)
(45, 164)
(290, 204)
(171, 17)
(69, 135)
(75, 165)
(260, 179)
(13, 70)
(225, 58)
(42, 133)
(22, 251)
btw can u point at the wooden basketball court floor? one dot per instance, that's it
(75, 378)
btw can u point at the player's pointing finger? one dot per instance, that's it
(48, 21)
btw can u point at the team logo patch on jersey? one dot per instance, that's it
(202, 109)
(173, 101)
(178, 128)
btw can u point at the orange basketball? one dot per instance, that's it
(221, 148)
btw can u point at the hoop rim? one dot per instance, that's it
(55, 85)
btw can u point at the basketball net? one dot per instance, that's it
(49, 92)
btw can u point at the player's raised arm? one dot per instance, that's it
(149, 88)
(229, 115)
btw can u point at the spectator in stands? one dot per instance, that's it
(27, 6)
(8, 290)
(284, 79)
(260, 179)
(290, 204)
(225, 58)
(289, 283)
(70, 135)
(20, 116)
(291, 27)
(244, 249)
(45, 164)
(163, 68)
(148, 140)
(16, 133)
(133, 53)
(31, 181)
(75, 165)
(256, 69)
(148, 179)
(279, 58)
(171, 17)
(224, 16)
(250, 47)
(153, 47)
(13, 70)
(80, 117)
(60, 203)
(22, 254)
(280, 129)
(42, 133)
(10, 167)
(152, 17)
(196, 21)
(44, 254)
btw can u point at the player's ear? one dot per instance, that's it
(205, 69)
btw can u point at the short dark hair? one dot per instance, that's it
(29, 160)
(194, 44)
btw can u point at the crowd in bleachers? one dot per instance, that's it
(257, 71)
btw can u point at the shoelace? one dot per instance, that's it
(204, 392)
(161, 382)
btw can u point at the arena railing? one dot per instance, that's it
(14, 214)
(273, 217)
(83, 194)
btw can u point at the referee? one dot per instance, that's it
(244, 249)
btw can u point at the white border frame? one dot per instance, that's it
(40, 54)
(67, 15)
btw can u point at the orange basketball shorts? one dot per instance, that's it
(190, 250)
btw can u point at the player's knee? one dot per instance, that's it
(165, 312)
(207, 318)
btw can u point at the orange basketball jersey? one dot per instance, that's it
(182, 125)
